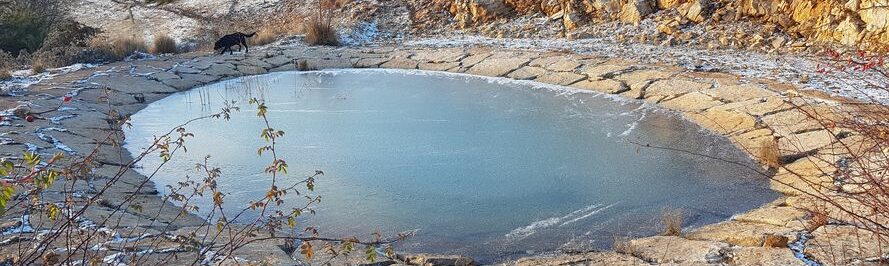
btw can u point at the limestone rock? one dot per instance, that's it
(604, 70)
(740, 233)
(635, 10)
(438, 66)
(437, 260)
(810, 175)
(591, 258)
(560, 78)
(671, 88)
(738, 93)
(673, 249)
(723, 121)
(805, 142)
(497, 67)
(609, 86)
(756, 256)
(691, 102)
(526, 73)
(471, 12)
(695, 10)
(776, 215)
(370, 62)
(401, 63)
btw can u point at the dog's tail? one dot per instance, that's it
(250, 35)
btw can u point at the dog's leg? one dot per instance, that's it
(231, 51)
(246, 48)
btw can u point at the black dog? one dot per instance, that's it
(227, 41)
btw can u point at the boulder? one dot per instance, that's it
(636, 10)
(471, 12)
(695, 10)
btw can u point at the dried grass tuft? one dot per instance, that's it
(126, 46)
(164, 44)
(672, 221)
(769, 154)
(621, 244)
(264, 36)
(320, 33)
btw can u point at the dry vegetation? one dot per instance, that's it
(4, 73)
(621, 244)
(320, 30)
(122, 47)
(163, 44)
(672, 221)
(264, 36)
(768, 153)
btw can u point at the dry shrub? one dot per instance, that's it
(163, 44)
(320, 33)
(775, 241)
(7, 63)
(672, 220)
(263, 37)
(768, 153)
(38, 67)
(818, 219)
(621, 244)
(125, 46)
(5, 73)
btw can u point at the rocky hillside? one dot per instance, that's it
(793, 25)
(857, 23)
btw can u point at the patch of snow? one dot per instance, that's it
(363, 33)
(41, 134)
(24, 226)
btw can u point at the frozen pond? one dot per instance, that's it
(484, 167)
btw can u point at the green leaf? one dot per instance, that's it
(5, 195)
(52, 211)
(371, 254)
(32, 159)
(6, 168)
(291, 222)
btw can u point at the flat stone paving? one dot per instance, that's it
(747, 112)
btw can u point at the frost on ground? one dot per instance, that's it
(23, 79)
(799, 70)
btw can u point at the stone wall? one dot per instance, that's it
(860, 23)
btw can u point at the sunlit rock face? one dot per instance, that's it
(852, 23)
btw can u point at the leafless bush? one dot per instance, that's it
(5, 73)
(122, 47)
(769, 154)
(320, 31)
(163, 44)
(621, 244)
(264, 36)
(672, 221)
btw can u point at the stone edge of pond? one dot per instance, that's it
(747, 111)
